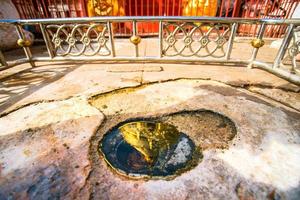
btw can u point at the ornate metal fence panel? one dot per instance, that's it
(79, 39)
(195, 39)
(294, 50)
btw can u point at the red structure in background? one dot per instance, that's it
(279, 9)
(30, 9)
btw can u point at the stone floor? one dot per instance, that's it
(53, 117)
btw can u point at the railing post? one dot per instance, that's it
(230, 42)
(160, 32)
(47, 41)
(111, 39)
(2, 60)
(134, 32)
(255, 50)
(26, 49)
(284, 46)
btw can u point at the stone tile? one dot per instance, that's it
(44, 150)
(291, 99)
(49, 133)
(251, 166)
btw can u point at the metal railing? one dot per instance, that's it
(180, 39)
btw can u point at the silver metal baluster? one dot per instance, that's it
(134, 30)
(2, 60)
(47, 41)
(161, 53)
(26, 49)
(255, 50)
(284, 46)
(111, 39)
(231, 40)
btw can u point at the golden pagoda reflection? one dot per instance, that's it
(149, 138)
(144, 149)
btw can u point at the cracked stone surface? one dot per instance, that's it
(291, 99)
(50, 149)
(44, 150)
(266, 146)
(54, 115)
(60, 81)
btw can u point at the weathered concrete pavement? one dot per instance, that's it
(53, 117)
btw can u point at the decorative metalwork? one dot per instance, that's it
(80, 39)
(180, 39)
(135, 39)
(287, 58)
(24, 43)
(195, 39)
(294, 49)
(257, 43)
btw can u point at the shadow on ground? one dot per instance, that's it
(18, 86)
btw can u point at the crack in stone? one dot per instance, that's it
(160, 69)
(87, 181)
(35, 103)
(277, 101)
(143, 84)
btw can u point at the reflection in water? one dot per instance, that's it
(149, 138)
(147, 149)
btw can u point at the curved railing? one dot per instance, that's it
(179, 39)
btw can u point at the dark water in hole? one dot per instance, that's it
(145, 148)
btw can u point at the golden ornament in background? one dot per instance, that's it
(200, 7)
(24, 42)
(257, 43)
(135, 39)
(105, 8)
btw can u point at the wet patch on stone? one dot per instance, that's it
(208, 129)
(165, 146)
(148, 149)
